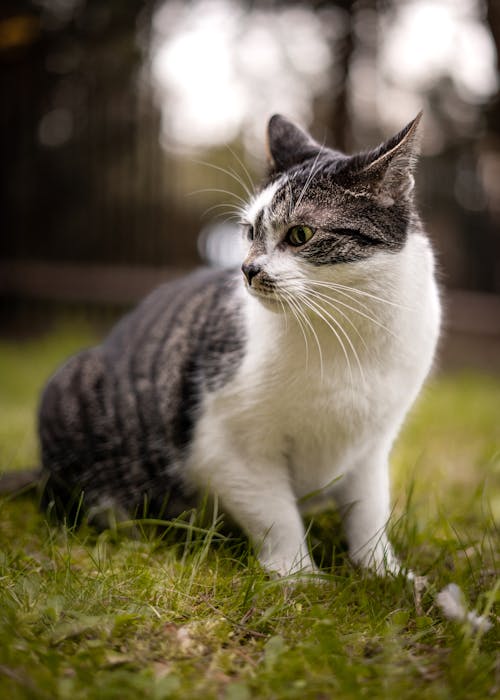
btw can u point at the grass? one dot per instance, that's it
(187, 612)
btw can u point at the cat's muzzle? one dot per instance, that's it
(251, 270)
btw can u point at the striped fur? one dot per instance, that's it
(116, 420)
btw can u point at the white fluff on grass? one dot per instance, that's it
(452, 603)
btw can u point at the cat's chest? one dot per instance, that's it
(319, 407)
(320, 419)
(313, 415)
(308, 389)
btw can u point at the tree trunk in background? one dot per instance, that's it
(490, 156)
(493, 17)
(340, 118)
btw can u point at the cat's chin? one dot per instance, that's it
(268, 301)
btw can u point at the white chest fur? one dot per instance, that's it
(297, 417)
(325, 407)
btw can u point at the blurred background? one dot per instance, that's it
(130, 130)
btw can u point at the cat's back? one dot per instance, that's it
(116, 419)
(169, 309)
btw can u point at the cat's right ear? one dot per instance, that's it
(288, 144)
(387, 171)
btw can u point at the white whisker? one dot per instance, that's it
(232, 208)
(361, 313)
(285, 315)
(318, 311)
(226, 171)
(245, 169)
(327, 300)
(289, 301)
(216, 189)
(342, 287)
(300, 311)
(230, 219)
(308, 181)
(291, 206)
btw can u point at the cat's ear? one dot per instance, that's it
(387, 172)
(288, 144)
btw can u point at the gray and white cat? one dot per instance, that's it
(263, 387)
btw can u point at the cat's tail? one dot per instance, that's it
(17, 483)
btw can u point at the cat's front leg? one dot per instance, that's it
(269, 515)
(258, 496)
(362, 495)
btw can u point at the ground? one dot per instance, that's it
(186, 612)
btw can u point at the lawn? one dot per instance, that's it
(185, 612)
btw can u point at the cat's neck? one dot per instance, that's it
(364, 312)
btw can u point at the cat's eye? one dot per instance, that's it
(298, 235)
(249, 232)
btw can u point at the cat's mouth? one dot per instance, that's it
(263, 292)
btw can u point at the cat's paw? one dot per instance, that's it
(293, 571)
(382, 562)
(300, 578)
(311, 575)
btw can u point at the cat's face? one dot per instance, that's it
(322, 214)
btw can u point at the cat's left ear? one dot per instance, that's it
(387, 172)
(288, 144)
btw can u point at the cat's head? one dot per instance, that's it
(321, 212)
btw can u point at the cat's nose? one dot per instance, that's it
(250, 270)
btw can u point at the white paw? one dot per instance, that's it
(284, 567)
(381, 561)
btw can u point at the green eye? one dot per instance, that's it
(298, 235)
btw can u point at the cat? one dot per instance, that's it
(261, 386)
